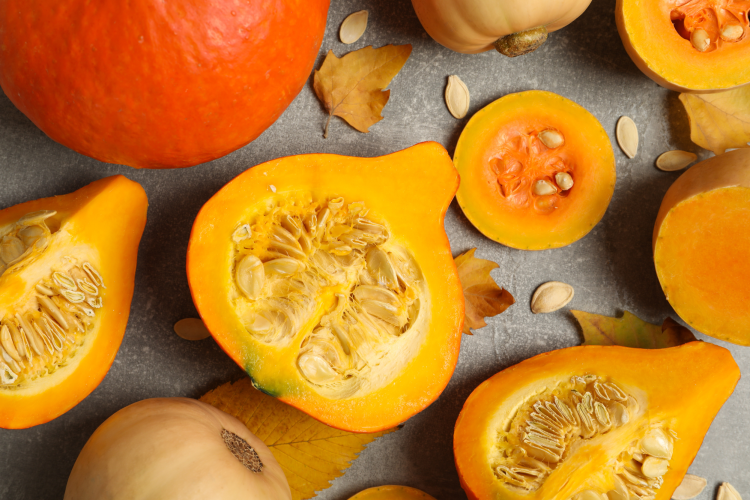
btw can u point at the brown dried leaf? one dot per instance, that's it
(482, 295)
(719, 121)
(631, 331)
(311, 453)
(352, 87)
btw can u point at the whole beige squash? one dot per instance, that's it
(513, 27)
(175, 448)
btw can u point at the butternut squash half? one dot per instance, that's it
(67, 273)
(701, 246)
(330, 280)
(688, 45)
(537, 170)
(591, 423)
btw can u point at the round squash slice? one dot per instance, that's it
(537, 170)
(330, 280)
(175, 449)
(701, 246)
(68, 269)
(688, 45)
(391, 492)
(591, 423)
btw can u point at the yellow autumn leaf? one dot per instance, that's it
(352, 87)
(631, 331)
(482, 296)
(311, 453)
(719, 121)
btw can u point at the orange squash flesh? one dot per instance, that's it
(701, 246)
(394, 190)
(101, 223)
(657, 35)
(678, 389)
(391, 492)
(501, 203)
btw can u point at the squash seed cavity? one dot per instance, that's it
(532, 169)
(328, 277)
(547, 429)
(709, 25)
(41, 335)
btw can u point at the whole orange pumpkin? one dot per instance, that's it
(156, 84)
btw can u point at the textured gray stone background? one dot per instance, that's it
(611, 268)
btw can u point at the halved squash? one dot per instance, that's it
(701, 246)
(330, 280)
(537, 170)
(688, 45)
(591, 423)
(68, 269)
(391, 492)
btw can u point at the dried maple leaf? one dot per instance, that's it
(631, 331)
(719, 121)
(482, 295)
(352, 87)
(311, 453)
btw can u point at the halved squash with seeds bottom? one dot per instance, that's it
(330, 280)
(68, 267)
(537, 171)
(592, 423)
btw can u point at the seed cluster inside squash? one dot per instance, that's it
(326, 267)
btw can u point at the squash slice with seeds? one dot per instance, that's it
(67, 267)
(592, 423)
(330, 280)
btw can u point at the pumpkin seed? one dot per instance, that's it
(727, 492)
(551, 296)
(551, 138)
(657, 444)
(353, 27)
(675, 160)
(700, 40)
(732, 32)
(457, 97)
(543, 187)
(627, 136)
(654, 467)
(191, 329)
(250, 276)
(564, 180)
(690, 487)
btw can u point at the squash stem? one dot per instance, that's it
(523, 42)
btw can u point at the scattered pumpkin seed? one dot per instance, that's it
(627, 136)
(727, 492)
(353, 27)
(675, 160)
(700, 40)
(690, 487)
(457, 97)
(191, 329)
(551, 296)
(551, 138)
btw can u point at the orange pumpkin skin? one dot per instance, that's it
(393, 188)
(153, 84)
(682, 386)
(701, 246)
(172, 448)
(391, 492)
(107, 217)
(501, 204)
(668, 58)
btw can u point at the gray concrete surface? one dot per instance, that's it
(611, 268)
